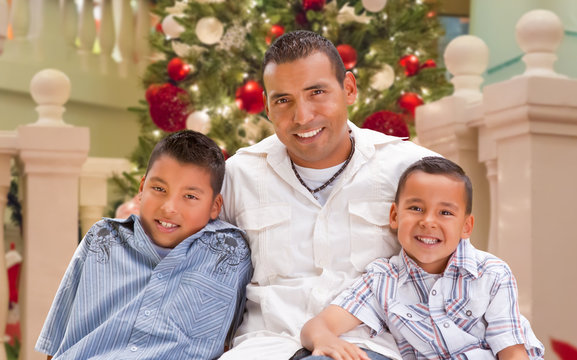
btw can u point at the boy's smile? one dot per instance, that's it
(176, 201)
(431, 220)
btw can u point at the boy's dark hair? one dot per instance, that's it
(299, 44)
(191, 147)
(439, 166)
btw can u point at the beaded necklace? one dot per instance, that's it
(329, 181)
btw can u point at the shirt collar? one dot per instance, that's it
(463, 261)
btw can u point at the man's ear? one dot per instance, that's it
(393, 215)
(216, 206)
(468, 226)
(350, 87)
(265, 103)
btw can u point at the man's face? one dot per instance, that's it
(176, 201)
(308, 108)
(431, 219)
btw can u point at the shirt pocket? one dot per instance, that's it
(268, 229)
(408, 321)
(468, 314)
(369, 232)
(202, 308)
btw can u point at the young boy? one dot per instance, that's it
(440, 297)
(168, 284)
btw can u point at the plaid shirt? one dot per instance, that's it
(469, 311)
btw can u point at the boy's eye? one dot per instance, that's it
(415, 208)
(445, 212)
(190, 196)
(158, 188)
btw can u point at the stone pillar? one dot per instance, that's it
(532, 120)
(450, 126)
(51, 154)
(94, 188)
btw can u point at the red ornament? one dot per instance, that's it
(429, 64)
(564, 350)
(249, 97)
(315, 5)
(177, 69)
(388, 123)
(225, 153)
(410, 63)
(169, 106)
(158, 27)
(274, 32)
(431, 14)
(301, 18)
(409, 101)
(348, 55)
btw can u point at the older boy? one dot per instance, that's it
(440, 297)
(168, 284)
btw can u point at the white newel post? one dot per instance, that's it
(8, 144)
(51, 155)
(533, 121)
(94, 187)
(450, 126)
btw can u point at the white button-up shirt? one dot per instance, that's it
(305, 254)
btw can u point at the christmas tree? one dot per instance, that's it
(206, 75)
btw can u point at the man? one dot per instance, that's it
(313, 198)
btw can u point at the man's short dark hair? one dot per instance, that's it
(191, 147)
(300, 44)
(439, 166)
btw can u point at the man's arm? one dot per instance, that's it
(321, 334)
(515, 352)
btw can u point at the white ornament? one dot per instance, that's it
(209, 30)
(383, 79)
(198, 121)
(347, 14)
(178, 8)
(374, 5)
(171, 28)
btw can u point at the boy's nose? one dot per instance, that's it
(169, 206)
(428, 220)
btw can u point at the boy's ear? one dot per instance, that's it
(216, 206)
(468, 227)
(141, 183)
(393, 222)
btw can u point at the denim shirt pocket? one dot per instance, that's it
(201, 309)
(268, 250)
(369, 232)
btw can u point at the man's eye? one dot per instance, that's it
(318, 91)
(281, 101)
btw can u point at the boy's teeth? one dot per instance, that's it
(166, 225)
(309, 133)
(428, 241)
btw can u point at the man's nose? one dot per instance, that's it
(304, 112)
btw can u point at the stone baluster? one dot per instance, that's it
(106, 36)
(51, 153)
(124, 30)
(86, 32)
(532, 121)
(448, 126)
(94, 189)
(8, 146)
(142, 31)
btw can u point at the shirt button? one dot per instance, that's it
(159, 276)
(409, 315)
(446, 325)
(434, 292)
(147, 312)
(133, 348)
(469, 313)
